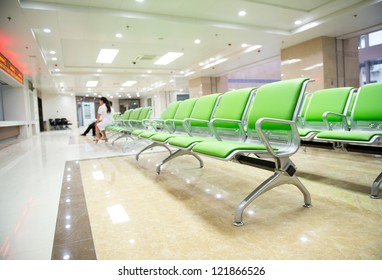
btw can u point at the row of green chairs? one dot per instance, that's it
(255, 127)
(129, 121)
(345, 119)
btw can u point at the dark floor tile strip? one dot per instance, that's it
(73, 238)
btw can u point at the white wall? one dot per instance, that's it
(160, 101)
(14, 104)
(20, 104)
(59, 106)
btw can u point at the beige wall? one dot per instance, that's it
(330, 62)
(202, 86)
(254, 76)
(261, 73)
(348, 62)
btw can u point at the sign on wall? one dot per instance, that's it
(9, 68)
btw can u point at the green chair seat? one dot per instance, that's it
(222, 149)
(185, 141)
(362, 136)
(305, 131)
(161, 137)
(136, 132)
(147, 134)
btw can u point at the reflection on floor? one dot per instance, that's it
(187, 212)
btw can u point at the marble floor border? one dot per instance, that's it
(73, 238)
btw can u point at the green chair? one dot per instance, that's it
(140, 122)
(219, 120)
(156, 125)
(320, 113)
(272, 137)
(171, 127)
(365, 131)
(125, 128)
(195, 125)
(117, 126)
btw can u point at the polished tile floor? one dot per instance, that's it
(63, 197)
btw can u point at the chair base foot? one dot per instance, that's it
(238, 224)
(306, 205)
(374, 196)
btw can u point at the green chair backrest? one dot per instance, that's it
(116, 115)
(135, 114)
(233, 105)
(126, 115)
(170, 111)
(185, 109)
(204, 109)
(279, 100)
(145, 113)
(368, 104)
(328, 100)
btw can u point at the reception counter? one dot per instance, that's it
(11, 129)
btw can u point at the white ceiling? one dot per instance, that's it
(80, 28)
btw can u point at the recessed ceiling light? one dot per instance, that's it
(297, 22)
(242, 13)
(91, 83)
(139, 1)
(54, 58)
(181, 72)
(201, 63)
(107, 55)
(253, 48)
(99, 70)
(197, 41)
(52, 52)
(149, 71)
(57, 70)
(244, 45)
(87, 95)
(189, 74)
(168, 58)
(129, 83)
(95, 93)
(215, 63)
(118, 35)
(47, 30)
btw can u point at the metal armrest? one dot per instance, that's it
(157, 124)
(126, 123)
(295, 139)
(300, 121)
(216, 134)
(147, 122)
(344, 122)
(169, 124)
(188, 127)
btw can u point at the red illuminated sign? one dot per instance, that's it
(9, 68)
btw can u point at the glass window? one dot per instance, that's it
(362, 74)
(376, 71)
(362, 42)
(375, 38)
